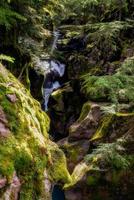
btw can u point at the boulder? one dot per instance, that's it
(28, 158)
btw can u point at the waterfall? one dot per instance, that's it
(51, 69)
(56, 37)
(56, 70)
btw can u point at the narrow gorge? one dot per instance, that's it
(66, 99)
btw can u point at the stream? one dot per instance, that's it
(51, 82)
(53, 70)
(58, 193)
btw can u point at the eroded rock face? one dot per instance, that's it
(75, 151)
(13, 190)
(3, 182)
(4, 130)
(87, 183)
(87, 123)
(119, 187)
(25, 148)
(65, 105)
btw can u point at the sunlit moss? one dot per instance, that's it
(27, 149)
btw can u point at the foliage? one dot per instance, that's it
(110, 155)
(82, 12)
(6, 58)
(9, 17)
(55, 11)
(97, 10)
(115, 88)
(106, 35)
(27, 148)
(127, 67)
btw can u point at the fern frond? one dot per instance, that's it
(6, 58)
(9, 17)
(111, 155)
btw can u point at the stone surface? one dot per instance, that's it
(87, 123)
(4, 130)
(27, 151)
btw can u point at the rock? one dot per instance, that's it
(111, 126)
(3, 182)
(87, 123)
(65, 106)
(12, 97)
(4, 130)
(75, 151)
(13, 191)
(73, 195)
(27, 152)
(47, 186)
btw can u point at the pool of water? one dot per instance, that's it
(58, 193)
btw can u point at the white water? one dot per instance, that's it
(48, 91)
(56, 37)
(56, 69)
(60, 68)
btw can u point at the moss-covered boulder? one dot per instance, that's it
(27, 156)
(97, 156)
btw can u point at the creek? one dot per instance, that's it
(53, 70)
(58, 193)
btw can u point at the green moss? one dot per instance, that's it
(6, 158)
(73, 154)
(58, 168)
(85, 110)
(103, 128)
(72, 151)
(27, 150)
(92, 180)
(11, 114)
(58, 97)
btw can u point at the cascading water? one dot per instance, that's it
(56, 35)
(56, 70)
(51, 80)
(52, 70)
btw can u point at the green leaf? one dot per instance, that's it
(6, 58)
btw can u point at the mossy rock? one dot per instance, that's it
(25, 147)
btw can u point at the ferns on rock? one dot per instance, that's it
(115, 88)
(111, 155)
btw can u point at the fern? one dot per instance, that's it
(96, 10)
(115, 88)
(107, 156)
(9, 17)
(127, 67)
(106, 35)
(56, 10)
(6, 58)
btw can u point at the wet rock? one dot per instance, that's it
(12, 97)
(75, 151)
(87, 123)
(73, 195)
(4, 130)
(14, 188)
(28, 150)
(3, 182)
(65, 106)
(47, 187)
